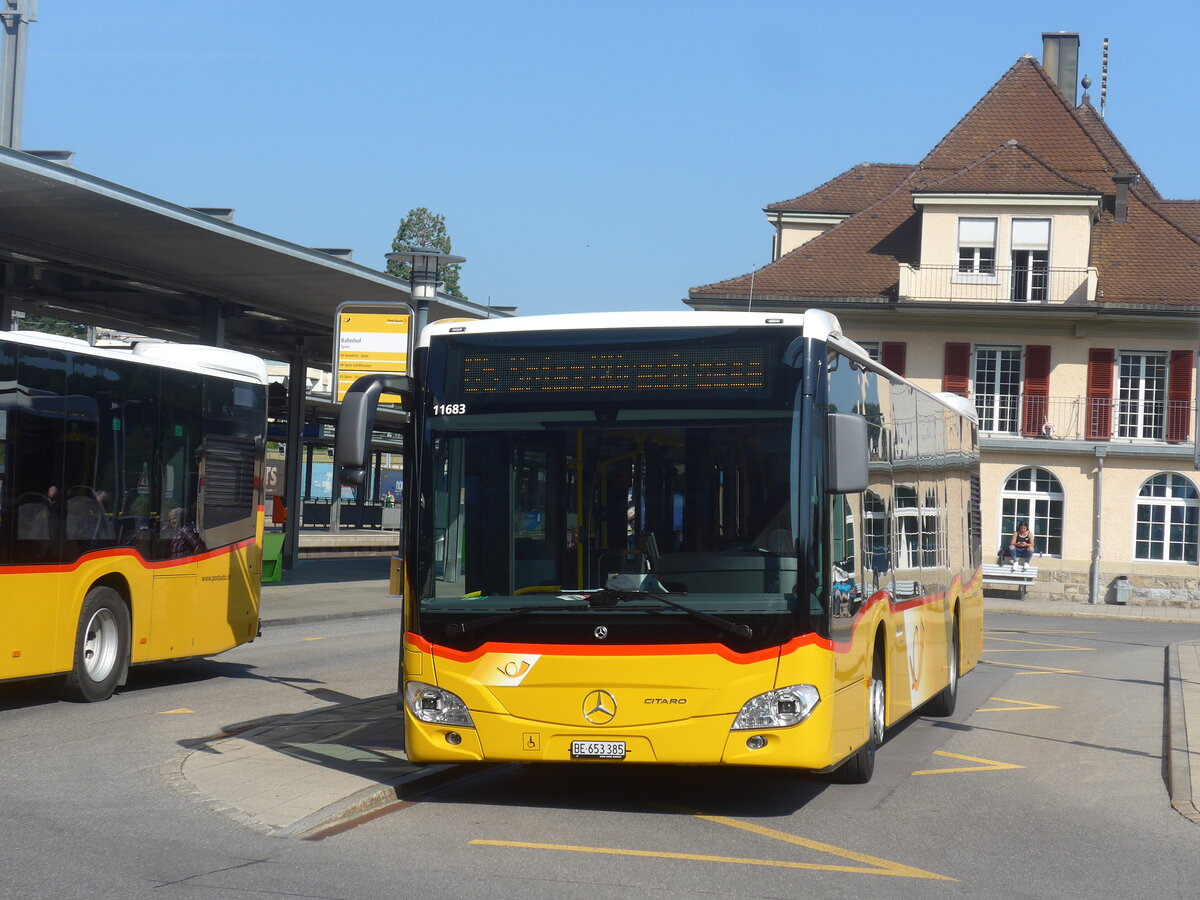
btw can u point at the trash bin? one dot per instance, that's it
(1121, 590)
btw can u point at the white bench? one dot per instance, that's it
(1004, 576)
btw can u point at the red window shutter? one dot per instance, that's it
(1100, 393)
(1179, 396)
(1037, 390)
(956, 377)
(893, 354)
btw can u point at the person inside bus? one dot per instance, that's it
(182, 537)
(1020, 548)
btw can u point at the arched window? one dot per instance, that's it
(1168, 520)
(1035, 496)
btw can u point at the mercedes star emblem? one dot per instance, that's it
(599, 707)
(601, 632)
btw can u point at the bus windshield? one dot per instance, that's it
(568, 475)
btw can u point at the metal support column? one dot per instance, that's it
(297, 388)
(17, 14)
(212, 323)
(6, 307)
(1097, 526)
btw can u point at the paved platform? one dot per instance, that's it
(309, 773)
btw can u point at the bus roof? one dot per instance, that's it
(185, 357)
(814, 323)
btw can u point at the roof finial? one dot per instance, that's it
(1104, 80)
(1087, 83)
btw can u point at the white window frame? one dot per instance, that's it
(988, 418)
(1169, 505)
(1142, 423)
(1016, 246)
(1042, 533)
(976, 275)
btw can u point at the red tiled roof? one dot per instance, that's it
(1153, 258)
(1113, 150)
(856, 258)
(1009, 169)
(850, 192)
(1025, 105)
(1147, 259)
(1184, 213)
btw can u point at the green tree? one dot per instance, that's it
(48, 325)
(422, 229)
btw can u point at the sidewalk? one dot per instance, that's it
(319, 589)
(308, 773)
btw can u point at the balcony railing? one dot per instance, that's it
(1085, 418)
(1028, 285)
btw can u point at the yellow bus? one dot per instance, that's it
(130, 506)
(682, 538)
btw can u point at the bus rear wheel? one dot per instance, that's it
(943, 703)
(859, 768)
(101, 647)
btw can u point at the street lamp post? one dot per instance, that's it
(423, 283)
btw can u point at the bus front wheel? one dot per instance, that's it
(859, 768)
(101, 647)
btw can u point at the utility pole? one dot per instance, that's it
(16, 15)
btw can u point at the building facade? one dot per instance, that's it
(1029, 264)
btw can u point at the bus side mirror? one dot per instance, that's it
(846, 453)
(356, 421)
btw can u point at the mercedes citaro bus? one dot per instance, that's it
(680, 538)
(130, 506)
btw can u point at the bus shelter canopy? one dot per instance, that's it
(79, 248)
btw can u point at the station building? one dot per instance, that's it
(1029, 263)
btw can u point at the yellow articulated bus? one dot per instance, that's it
(130, 506)
(682, 538)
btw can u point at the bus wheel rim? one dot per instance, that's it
(100, 644)
(877, 712)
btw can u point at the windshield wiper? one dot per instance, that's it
(612, 596)
(464, 627)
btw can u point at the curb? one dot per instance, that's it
(329, 617)
(339, 812)
(1086, 613)
(1179, 767)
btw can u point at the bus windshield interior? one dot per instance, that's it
(686, 494)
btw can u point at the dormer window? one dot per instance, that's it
(977, 246)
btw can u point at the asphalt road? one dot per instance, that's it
(1048, 781)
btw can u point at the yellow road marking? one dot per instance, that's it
(1021, 705)
(312, 639)
(989, 765)
(1039, 670)
(1027, 631)
(886, 868)
(183, 710)
(882, 866)
(1044, 647)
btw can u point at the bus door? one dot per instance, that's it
(32, 440)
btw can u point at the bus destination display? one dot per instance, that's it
(612, 369)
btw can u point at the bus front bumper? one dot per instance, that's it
(696, 741)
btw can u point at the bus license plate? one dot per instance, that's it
(598, 749)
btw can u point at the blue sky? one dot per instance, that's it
(586, 157)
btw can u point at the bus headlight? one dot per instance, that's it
(436, 706)
(779, 708)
